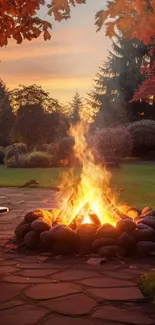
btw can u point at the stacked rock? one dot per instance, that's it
(40, 229)
(129, 237)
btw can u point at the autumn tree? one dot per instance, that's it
(56, 126)
(130, 18)
(20, 19)
(33, 94)
(6, 116)
(36, 126)
(30, 124)
(133, 19)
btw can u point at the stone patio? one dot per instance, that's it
(44, 290)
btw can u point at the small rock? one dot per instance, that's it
(39, 225)
(126, 241)
(96, 261)
(143, 232)
(31, 239)
(100, 242)
(139, 218)
(146, 210)
(125, 225)
(33, 215)
(17, 228)
(40, 213)
(149, 221)
(87, 231)
(107, 230)
(22, 230)
(63, 234)
(46, 239)
(144, 248)
(87, 234)
(109, 251)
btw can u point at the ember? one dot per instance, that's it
(90, 220)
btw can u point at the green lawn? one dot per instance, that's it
(135, 183)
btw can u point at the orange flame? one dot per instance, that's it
(89, 192)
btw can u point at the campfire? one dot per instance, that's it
(90, 219)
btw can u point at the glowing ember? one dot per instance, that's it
(91, 191)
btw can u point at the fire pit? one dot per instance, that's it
(89, 220)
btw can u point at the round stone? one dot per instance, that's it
(22, 229)
(33, 215)
(46, 239)
(146, 210)
(100, 242)
(31, 240)
(40, 213)
(125, 225)
(109, 251)
(39, 225)
(139, 218)
(107, 230)
(63, 234)
(149, 221)
(143, 233)
(144, 248)
(87, 230)
(125, 240)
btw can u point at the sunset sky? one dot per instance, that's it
(64, 65)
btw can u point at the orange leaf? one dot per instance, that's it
(47, 35)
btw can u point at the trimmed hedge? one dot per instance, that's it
(116, 141)
(143, 135)
(32, 160)
(10, 150)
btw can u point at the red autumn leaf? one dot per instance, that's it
(47, 35)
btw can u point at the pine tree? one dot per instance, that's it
(76, 106)
(6, 116)
(116, 81)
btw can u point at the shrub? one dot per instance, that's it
(22, 162)
(39, 159)
(51, 148)
(32, 160)
(1, 155)
(66, 147)
(10, 150)
(143, 134)
(113, 140)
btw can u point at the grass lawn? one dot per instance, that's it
(135, 182)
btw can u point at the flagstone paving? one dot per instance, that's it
(41, 289)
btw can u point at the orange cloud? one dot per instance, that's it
(65, 64)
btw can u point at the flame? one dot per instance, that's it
(90, 192)
(87, 220)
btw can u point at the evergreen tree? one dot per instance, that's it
(116, 82)
(6, 116)
(76, 106)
